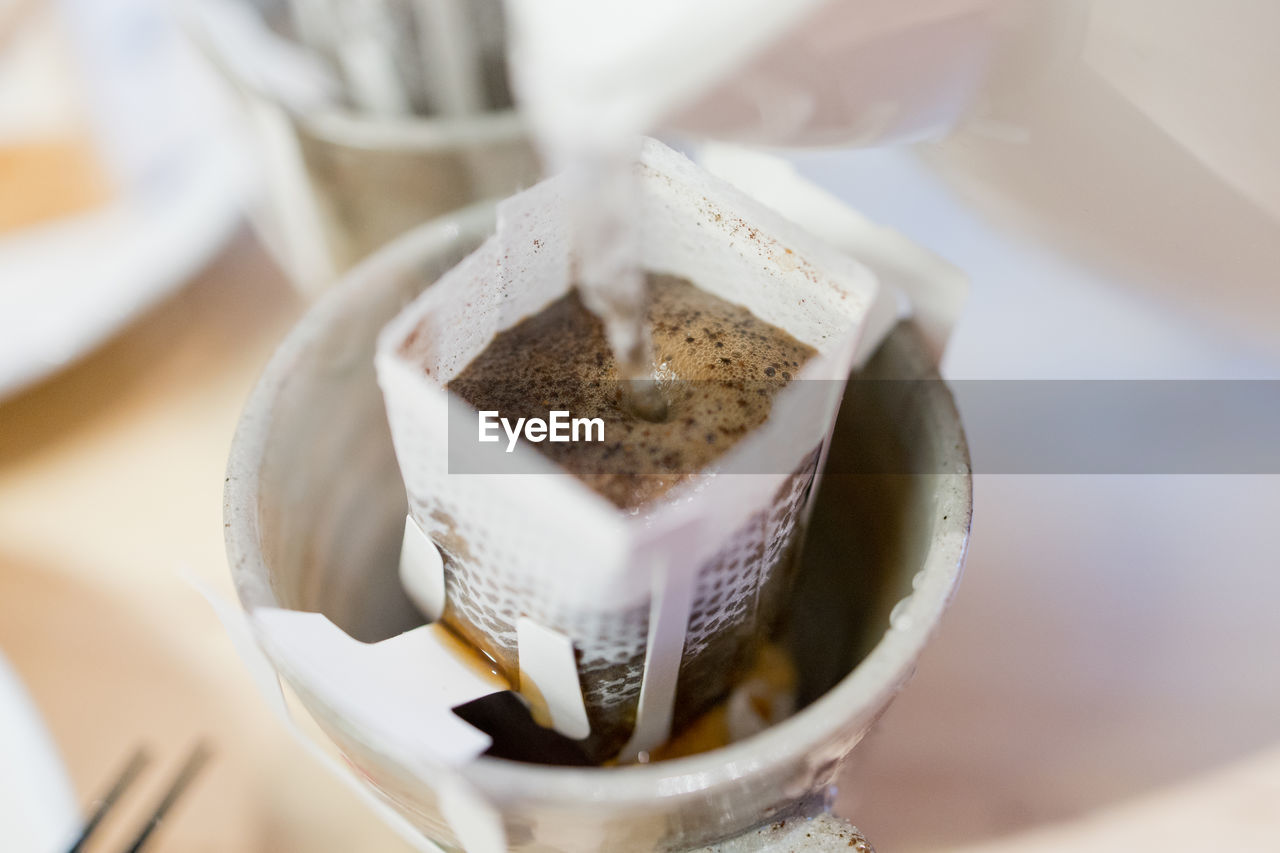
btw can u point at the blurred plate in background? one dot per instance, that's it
(162, 127)
(37, 807)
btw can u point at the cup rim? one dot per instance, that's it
(877, 677)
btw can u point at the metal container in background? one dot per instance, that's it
(342, 172)
(373, 179)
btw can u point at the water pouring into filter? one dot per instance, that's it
(618, 627)
(681, 591)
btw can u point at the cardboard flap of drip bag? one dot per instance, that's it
(555, 533)
(247, 635)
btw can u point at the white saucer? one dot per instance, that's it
(168, 135)
(37, 805)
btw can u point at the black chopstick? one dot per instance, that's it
(196, 760)
(136, 763)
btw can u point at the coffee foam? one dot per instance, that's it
(717, 369)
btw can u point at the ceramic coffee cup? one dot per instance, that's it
(315, 510)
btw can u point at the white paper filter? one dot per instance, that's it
(547, 548)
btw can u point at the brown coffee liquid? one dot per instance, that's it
(717, 365)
